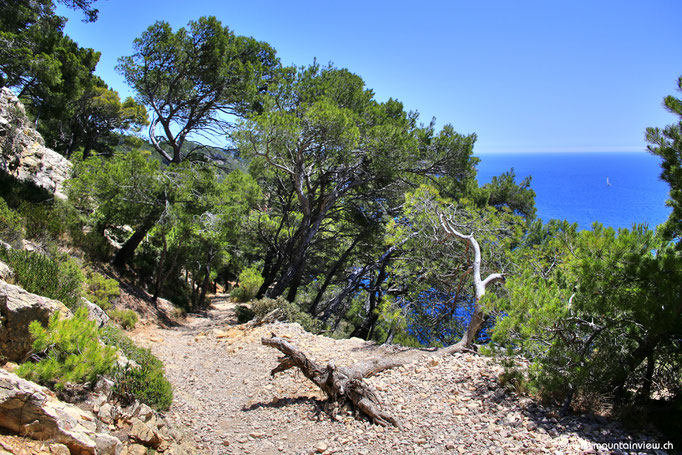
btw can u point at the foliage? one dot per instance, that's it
(100, 290)
(292, 312)
(46, 221)
(127, 318)
(503, 191)
(68, 350)
(192, 79)
(58, 277)
(244, 313)
(11, 226)
(667, 144)
(147, 383)
(441, 301)
(334, 160)
(597, 312)
(250, 280)
(54, 77)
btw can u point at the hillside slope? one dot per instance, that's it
(224, 394)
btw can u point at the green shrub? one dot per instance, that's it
(147, 383)
(513, 378)
(58, 278)
(100, 290)
(244, 313)
(292, 312)
(45, 221)
(144, 384)
(250, 281)
(127, 318)
(114, 336)
(11, 229)
(68, 350)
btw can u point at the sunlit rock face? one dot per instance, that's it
(23, 154)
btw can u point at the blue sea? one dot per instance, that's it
(574, 186)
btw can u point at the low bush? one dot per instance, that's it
(58, 278)
(244, 313)
(146, 383)
(100, 290)
(127, 318)
(250, 281)
(292, 312)
(68, 350)
(11, 225)
(46, 221)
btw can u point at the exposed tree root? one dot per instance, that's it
(340, 384)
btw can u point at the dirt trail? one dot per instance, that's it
(224, 395)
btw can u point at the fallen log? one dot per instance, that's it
(340, 384)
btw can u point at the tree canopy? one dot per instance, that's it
(196, 80)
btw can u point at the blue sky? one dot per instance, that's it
(532, 76)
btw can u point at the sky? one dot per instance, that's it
(525, 76)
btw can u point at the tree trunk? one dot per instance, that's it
(270, 268)
(365, 329)
(340, 384)
(159, 270)
(125, 254)
(648, 377)
(478, 317)
(330, 275)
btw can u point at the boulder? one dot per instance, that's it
(18, 308)
(143, 434)
(95, 313)
(5, 272)
(33, 411)
(23, 154)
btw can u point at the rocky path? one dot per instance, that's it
(225, 397)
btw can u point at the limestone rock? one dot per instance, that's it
(31, 410)
(18, 308)
(107, 444)
(23, 154)
(5, 272)
(143, 434)
(135, 449)
(95, 313)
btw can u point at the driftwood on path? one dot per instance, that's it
(340, 384)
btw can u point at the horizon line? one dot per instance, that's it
(554, 149)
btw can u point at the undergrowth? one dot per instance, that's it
(147, 382)
(68, 350)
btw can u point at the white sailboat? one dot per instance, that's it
(607, 182)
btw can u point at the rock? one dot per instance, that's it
(143, 434)
(28, 245)
(105, 413)
(32, 410)
(141, 410)
(95, 313)
(23, 154)
(135, 449)
(59, 449)
(18, 308)
(104, 386)
(5, 272)
(107, 444)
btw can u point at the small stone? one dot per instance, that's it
(59, 449)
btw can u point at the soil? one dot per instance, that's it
(225, 397)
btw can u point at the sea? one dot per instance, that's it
(616, 189)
